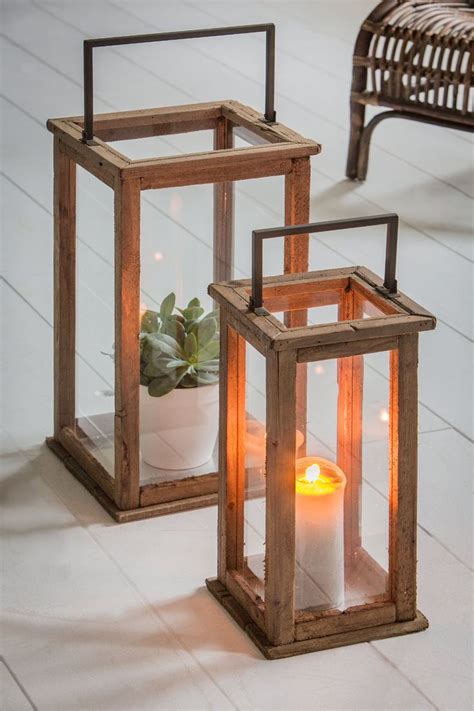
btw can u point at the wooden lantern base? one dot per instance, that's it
(271, 651)
(119, 515)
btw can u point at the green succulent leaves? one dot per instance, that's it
(167, 306)
(149, 322)
(178, 350)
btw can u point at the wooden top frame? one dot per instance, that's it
(390, 315)
(278, 145)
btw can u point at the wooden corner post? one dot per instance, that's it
(280, 497)
(223, 209)
(64, 289)
(350, 376)
(296, 259)
(403, 475)
(231, 451)
(127, 345)
(297, 199)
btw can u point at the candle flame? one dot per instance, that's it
(312, 473)
(384, 416)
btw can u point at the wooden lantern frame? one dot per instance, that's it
(278, 151)
(273, 625)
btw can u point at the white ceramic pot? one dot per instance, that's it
(179, 430)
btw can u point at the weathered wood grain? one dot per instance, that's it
(223, 210)
(127, 346)
(403, 475)
(64, 289)
(280, 500)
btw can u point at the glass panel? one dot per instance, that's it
(170, 145)
(258, 203)
(253, 564)
(375, 446)
(304, 303)
(179, 336)
(342, 514)
(375, 455)
(95, 402)
(178, 429)
(318, 301)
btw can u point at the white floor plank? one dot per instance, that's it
(175, 590)
(28, 269)
(11, 695)
(445, 647)
(333, 137)
(75, 618)
(442, 651)
(445, 483)
(303, 51)
(107, 610)
(448, 402)
(332, 160)
(185, 577)
(438, 661)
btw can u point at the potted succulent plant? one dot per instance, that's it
(179, 374)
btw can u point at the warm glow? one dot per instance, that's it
(316, 476)
(143, 308)
(158, 256)
(384, 416)
(319, 369)
(312, 473)
(176, 203)
(256, 441)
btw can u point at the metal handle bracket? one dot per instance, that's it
(389, 287)
(90, 44)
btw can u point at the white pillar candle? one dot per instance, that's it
(319, 534)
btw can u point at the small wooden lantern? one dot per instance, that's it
(302, 566)
(274, 150)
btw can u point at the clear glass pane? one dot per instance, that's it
(95, 402)
(342, 514)
(179, 393)
(253, 563)
(341, 489)
(316, 302)
(178, 427)
(161, 146)
(258, 203)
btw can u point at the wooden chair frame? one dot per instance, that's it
(272, 623)
(414, 58)
(279, 151)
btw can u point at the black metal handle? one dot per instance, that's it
(391, 220)
(269, 29)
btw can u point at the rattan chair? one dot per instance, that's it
(415, 57)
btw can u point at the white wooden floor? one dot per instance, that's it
(100, 616)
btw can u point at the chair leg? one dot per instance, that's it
(365, 137)
(363, 157)
(357, 126)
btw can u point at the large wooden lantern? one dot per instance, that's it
(103, 444)
(324, 416)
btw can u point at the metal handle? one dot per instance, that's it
(269, 29)
(391, 220)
